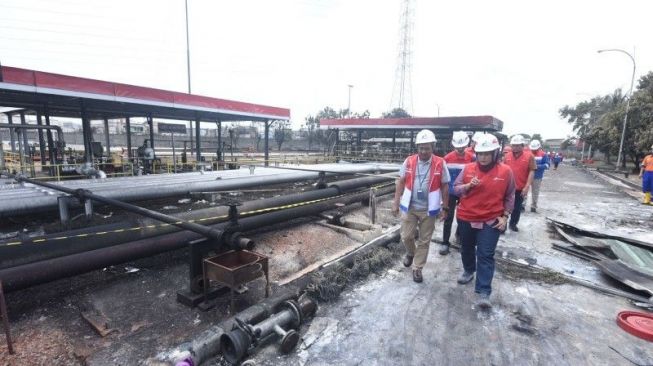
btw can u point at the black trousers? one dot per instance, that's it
(516, 212)
(446, 230)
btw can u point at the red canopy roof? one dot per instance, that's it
(476, 123)
(15, 80)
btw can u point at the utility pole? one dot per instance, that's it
(349, 101)
(190, 122)
(630, 94)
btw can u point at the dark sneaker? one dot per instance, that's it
(417, 275)
(465, 277)
(533, 209)
(483, 301)
(514, 228)
(408, 260)
(444, 249)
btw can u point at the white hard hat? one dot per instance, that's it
(535, 145)
(487, 142)
(476, 136)
(460, 139)
(517, 140)
(424, 136)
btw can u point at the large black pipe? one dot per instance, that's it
(34, 127)
(19, 277)
(44, 247)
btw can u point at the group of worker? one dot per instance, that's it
(483, 188)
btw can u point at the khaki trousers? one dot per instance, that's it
(412, 222)
(535, 191)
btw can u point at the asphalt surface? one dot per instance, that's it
(390, 320)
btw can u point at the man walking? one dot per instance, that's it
(455, 160)
(523, 167)
(487, 191)
(646, 173)
(542, 164)
(422, 193)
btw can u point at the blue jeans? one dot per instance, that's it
(516, 213)
(647, 182)
(477, 252)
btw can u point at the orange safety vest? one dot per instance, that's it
(647, 163)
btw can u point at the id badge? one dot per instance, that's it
(421, 195)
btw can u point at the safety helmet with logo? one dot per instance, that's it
(424, 137)
(488, 142)
(517, 140)
(535, 145)
(460, 139)
(476, 136)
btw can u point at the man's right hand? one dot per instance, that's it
(395, 208)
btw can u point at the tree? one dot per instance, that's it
(396, 113)
(538, 137)
(282, 133)
(597, 121)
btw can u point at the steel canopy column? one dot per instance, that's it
(106, 136)
(150, 122)
(359, 137)
(86, 134)
(267, 142)
(26, 148)
(53, 157)
(219, 141)
(128, 126)
(12, 133)
(198, 154)
(39, 121)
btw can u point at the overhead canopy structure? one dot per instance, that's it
(51, 94)
(474, 123)
(65, 95)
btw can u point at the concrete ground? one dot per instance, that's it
(390, 320)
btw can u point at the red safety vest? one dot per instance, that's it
(484, 202)
(520, 167)
(435, 178)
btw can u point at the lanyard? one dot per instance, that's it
(425, 175)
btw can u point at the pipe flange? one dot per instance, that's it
(293, 306)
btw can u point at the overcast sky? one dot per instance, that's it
(519, 61)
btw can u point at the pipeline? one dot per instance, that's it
(13, 252)
(35, 127)
(207, 344)
(84, 194)
(23, 276)
(16, 201)
(238, 342)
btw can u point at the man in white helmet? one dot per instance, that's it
(523, 168)
(542, 164)
(455, 160)
(487, 197)
(422, 193)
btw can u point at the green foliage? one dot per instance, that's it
(396, 113)
(599, 121)
(315, 134)
(282, 133)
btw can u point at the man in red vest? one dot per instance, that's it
(455, 160)
(487, 196)
(422, 193)
(523, 168)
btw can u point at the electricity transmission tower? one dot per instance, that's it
(402, 96)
